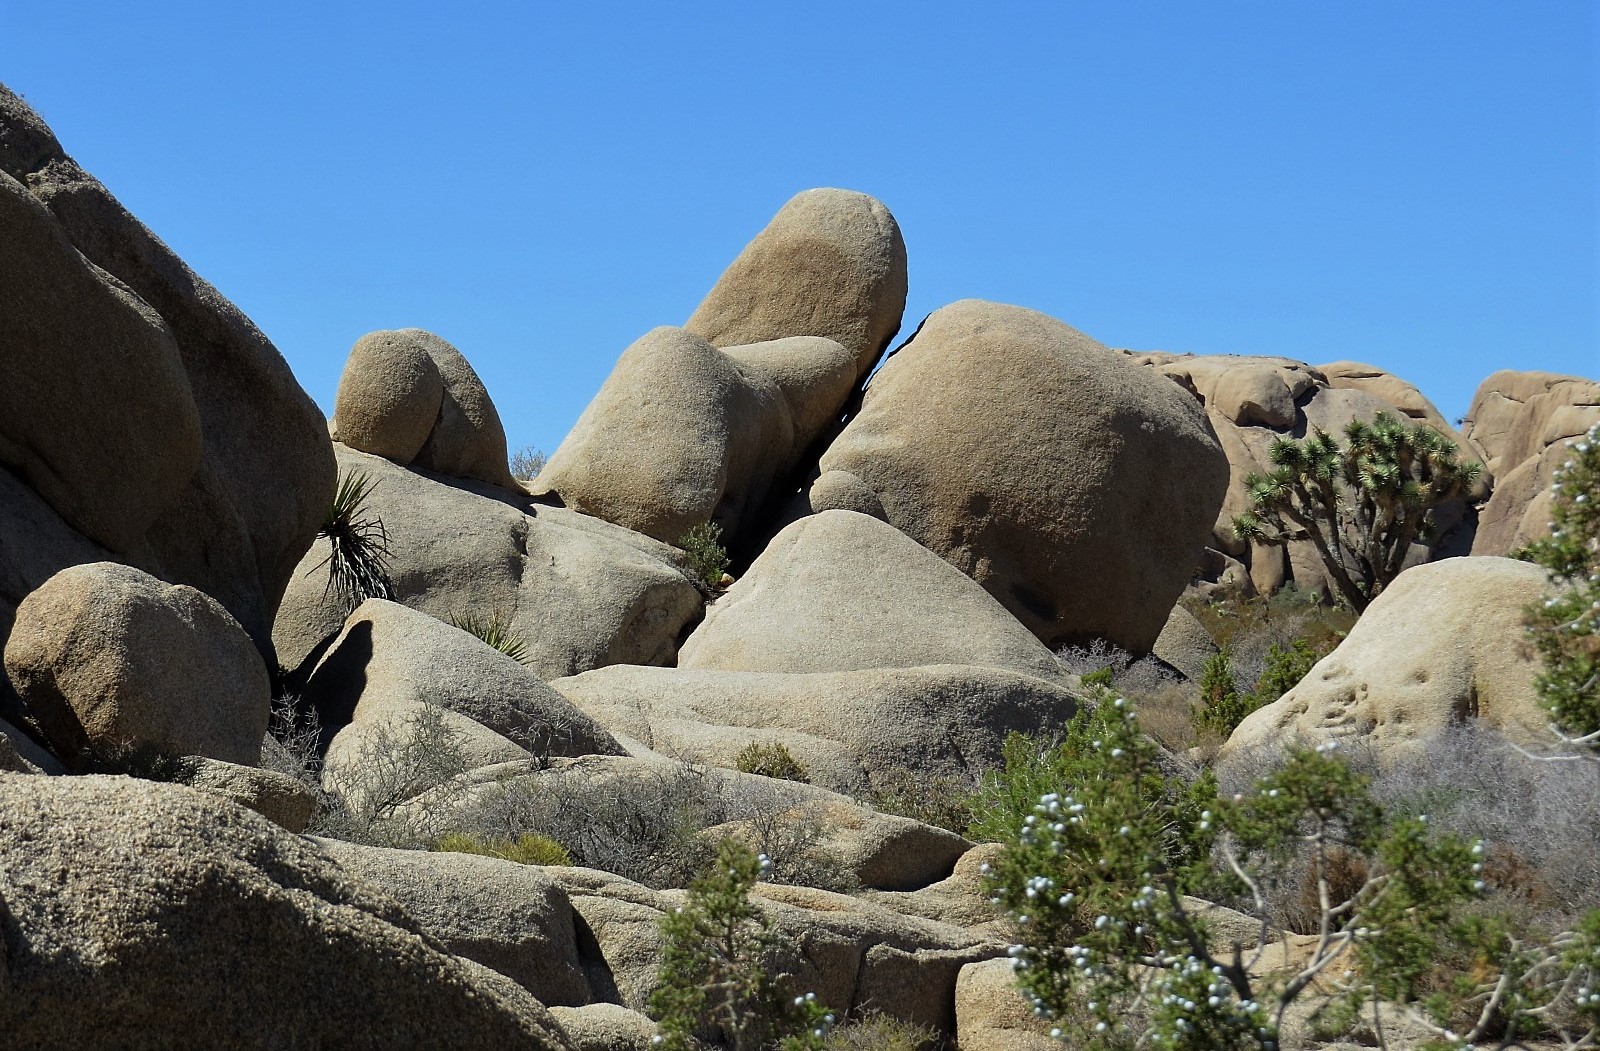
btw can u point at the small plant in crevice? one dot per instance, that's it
(358, 545)
(715, 984)
(527, 849)
(707, 557)
(497, 631)
(771, 759)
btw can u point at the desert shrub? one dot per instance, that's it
(401, 786)
(1565, 628)
(527, 849)
(792, 836)
(881, 1032)
(772, 759)
(941, 800)
(1007, 799)
(707, 557)
(1251, 628)
(1361, 504)
(527, 462)
(358, 545)
(714, 984)
(496, 630)
(131, 758)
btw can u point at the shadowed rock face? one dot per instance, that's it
(1076, 487)
(1438, 646)
(152, 417)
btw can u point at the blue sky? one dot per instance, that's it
(1412, 184)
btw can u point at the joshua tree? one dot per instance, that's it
(1361, 505)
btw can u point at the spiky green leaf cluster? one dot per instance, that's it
(358, 555)
(1361, 504)
(496, 630)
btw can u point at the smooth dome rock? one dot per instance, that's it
(1077, 487)
(107, 658)
(839, 591)
(389, 396)
(991, 1014)
(170, 918)
(1443, 644)
(606, 1027)
(683, 433)
(830, 263)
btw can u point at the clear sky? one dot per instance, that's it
(1412, 184)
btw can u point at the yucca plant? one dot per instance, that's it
(358, 556)
(1361, 505)
(496, 630)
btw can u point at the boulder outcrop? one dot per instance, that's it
(683, 433)
(1442, 644)
(582, 592)
(216, 474)
(110, 661)
(171, 918)
(962, 439)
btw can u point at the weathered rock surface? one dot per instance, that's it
(217, 474)
(1519, 424)
(682, 433)
(962, 437)
(991, 1014)
(584, 593)
(831, 263)
(606, 1027)
(279, 798)
(852, 954)
(839, 591)
(509, 917)
(1185, 644)
(845, 727)
(410, 397)
(108, 659)
(390, 656)
(173, 919)
(1442, 644)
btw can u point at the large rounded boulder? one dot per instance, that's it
(109, 661)
(1443, 644)
(831, 263)
(1076, 487)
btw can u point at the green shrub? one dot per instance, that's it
(771, 760)
(881, 1032)
(496, 629)
(714, 983)
(529, 849)
(707, 557)
(1223, 706)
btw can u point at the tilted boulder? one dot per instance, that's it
(216, 475)
(582, 592)
(1077, 488)
(1520, 424)
(1389, 389)
(109, 660)
(410, 397)
(390, 656)
(1443, 644)
(683, 433)
(831, 263)
(163, 917)
(281, 799)
(839, 591)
